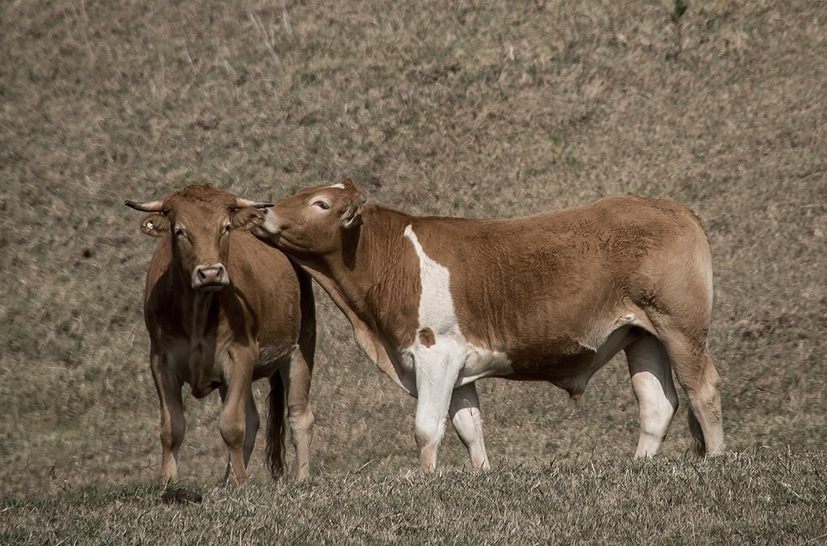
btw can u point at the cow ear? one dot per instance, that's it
(352, 216)
(246, 218)
(155, 225)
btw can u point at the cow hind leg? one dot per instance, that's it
(467, 419)
(253, 422)
(299, 412)
(697, 375)
(651, 373)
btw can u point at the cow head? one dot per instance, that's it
(199, 220)
(315, 220)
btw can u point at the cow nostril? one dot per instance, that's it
(206, 272)
(210, 277)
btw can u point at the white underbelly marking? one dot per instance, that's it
(437, 313)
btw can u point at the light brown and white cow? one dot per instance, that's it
(438, 303)
(223, 310)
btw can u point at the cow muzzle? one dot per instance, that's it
(269, 227)
(210, 278)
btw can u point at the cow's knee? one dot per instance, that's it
(172, 434)
(301, 424)
(232, 430)
(428, 433)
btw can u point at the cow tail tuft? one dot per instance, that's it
(698, 443)
(275, 427)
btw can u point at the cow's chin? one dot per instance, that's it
(265, 236)
(207, 288)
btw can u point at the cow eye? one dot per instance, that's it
(321, 204)
(227, 228)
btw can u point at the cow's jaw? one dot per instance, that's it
(274, 231)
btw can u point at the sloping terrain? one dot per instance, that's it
(479, 109)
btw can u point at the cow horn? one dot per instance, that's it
(241, 203)
(149, 206)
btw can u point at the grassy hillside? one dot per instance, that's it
(756, 498)
(465, 108)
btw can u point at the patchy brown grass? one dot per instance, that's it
(748, 498)
(468, 108)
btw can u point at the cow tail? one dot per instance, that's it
(698, 441)
(275, 426)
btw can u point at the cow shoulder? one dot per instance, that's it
(265, 287)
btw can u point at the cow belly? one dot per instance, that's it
(481, 363)
(442, 346)
(569, 366)
(454, 352)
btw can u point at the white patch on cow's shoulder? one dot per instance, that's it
(438, 314)
(338, 185)
(436, 306)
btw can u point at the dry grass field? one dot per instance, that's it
(466, 108)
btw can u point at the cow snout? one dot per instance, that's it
(209, 278)
(270, 226)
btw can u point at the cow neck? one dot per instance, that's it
(367, 255)
(201, 303)
(194, 304)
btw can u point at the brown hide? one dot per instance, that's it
(261, 304)
(257, 322)
(533, 287)
(546, 297)
(260, 308)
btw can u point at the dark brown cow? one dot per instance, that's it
(223, 310)
(438, 303)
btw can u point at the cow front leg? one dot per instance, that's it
(253, 422)
(436, 376)
(173, 424)
(467, 419)
(232, 425)
(299, 413)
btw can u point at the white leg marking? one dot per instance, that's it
(467, 419)
(431, 409)
(651, 373)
